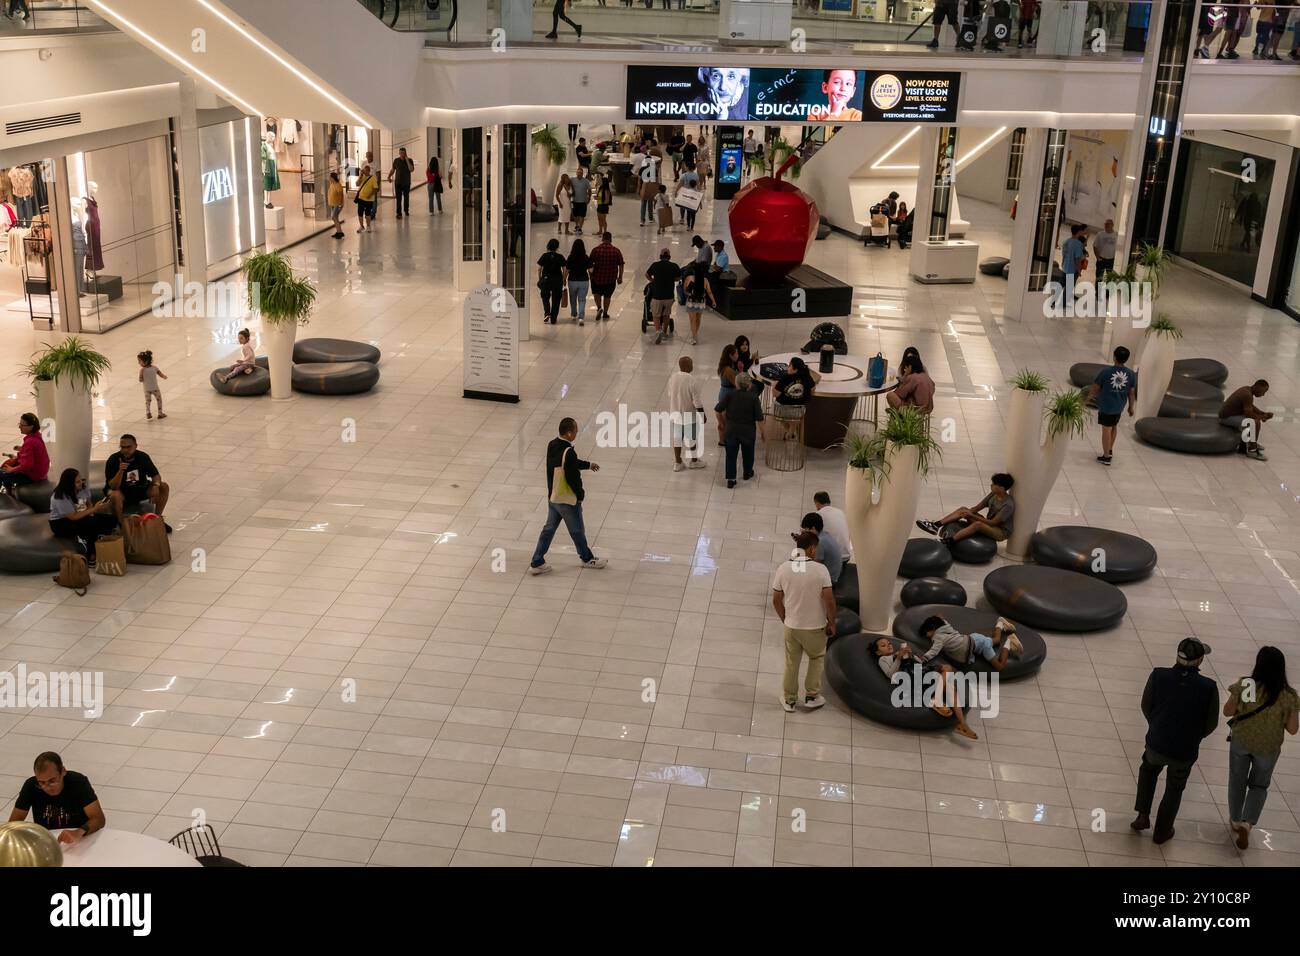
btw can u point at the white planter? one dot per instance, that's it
(879, 530)
(1155, 371)
(279, 352)
(1033, 462)
(45, 408)
(72, 426)
(1122, 332)
(545, 175)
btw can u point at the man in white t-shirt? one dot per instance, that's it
(837, 526)
(686, 409)
(803, 600)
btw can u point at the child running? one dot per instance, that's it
(149, 375)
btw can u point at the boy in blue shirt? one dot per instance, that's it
(1113, 389)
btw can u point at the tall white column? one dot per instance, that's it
(1061, 28)
(60, 262)
(1020, 303)
(194, 242)
(516, 20)
(469, 257)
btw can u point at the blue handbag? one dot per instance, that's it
(876, 369)
(681, 293)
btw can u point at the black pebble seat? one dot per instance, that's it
(334, 350)
(36, 494)
(1207, 370)
(27, 546)
(855, 675)
(12, 507)
(544, 212)
(1197, 436)
(846, 588)
(1073, 547)
(993, 265)
(244, 385)
(1055, 599)
(932, 591)
(977, 549)
(924, 558)
(846, 622)
(1083, 374)
(1006, 271)
(1182, 408)
(335, 378)
(1192, 390)
(970, 620)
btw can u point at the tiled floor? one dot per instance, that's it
(484, 696)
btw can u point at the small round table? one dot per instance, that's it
(109, 847)
(835, 397)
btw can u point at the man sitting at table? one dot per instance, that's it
(59, 799)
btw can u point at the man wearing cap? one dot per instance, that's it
(1182, 709)
(663, 276)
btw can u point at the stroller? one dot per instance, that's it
(879, 234)
(647, 319)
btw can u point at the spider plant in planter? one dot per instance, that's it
(549, 155)
(1153, 262)
(881, 488)
(40, 374)
(1035, 463)
(75, 369)
(1156, 368)
(1030, 381)
(284, 302)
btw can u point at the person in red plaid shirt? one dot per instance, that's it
(606, 273)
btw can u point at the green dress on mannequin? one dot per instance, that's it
(270, 174)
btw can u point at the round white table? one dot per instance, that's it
(835, 397)
(109, 847)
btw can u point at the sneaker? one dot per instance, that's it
(1104, 459)
(1294, 55)
(695, 463)
(161, 416)
(1271, 56)
(731, 482)
(551, 36)
(595, 563)
(932, 45)
(1013, 642)
(787, 705)
(1159, 838)
(1257, 454)
(659, 337)
(1141, 822)
(167, 527)
(748, 476)
(812, 703)
(929, 527)
(581, 323)
(90, 563)
(1007, 627)
(1241, 830)
(579, 29)
(678, 466)
(692, 342)
(1230, 55)
(148, 416)
(542, 568)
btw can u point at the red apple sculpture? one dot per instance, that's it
(772, 225)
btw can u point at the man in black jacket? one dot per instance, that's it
(1182, 709)
(560, 454)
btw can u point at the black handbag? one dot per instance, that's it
(1238, 718)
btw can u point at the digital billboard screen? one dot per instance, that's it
(775, 96)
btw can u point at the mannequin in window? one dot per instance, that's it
(79, 246)
(94, 248)
(270, 172)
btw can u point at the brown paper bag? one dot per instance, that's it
(110, 555)
(665, 216)
(146, 541)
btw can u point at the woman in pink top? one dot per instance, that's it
(915, 386)
(32, 462)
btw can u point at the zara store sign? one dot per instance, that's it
(217, 185)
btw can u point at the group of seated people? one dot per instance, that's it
(130, 479)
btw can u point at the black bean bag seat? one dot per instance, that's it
(1197, 436)
(1182, 408)
(856, 677)
(1207, 370)
(1192, 390)
(334, 350)
(924, 558)
(932, 591)
(36, 494)
(1055, 599)
(1083, 374)
(244, 385)
(977, 549)
(335, 378)
(1126, 557)
(28, 547)
(846, 622)
(969, 620)
(846, 588)
(993, 265)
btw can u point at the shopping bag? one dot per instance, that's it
(110, 555)
(876, 368)
(564, 297)
(879, 221)
(689, 198)
(146, 540)
(665, 216)
(561, 492)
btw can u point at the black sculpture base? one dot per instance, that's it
(823, 296)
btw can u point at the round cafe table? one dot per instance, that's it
(109, 847)
(835, 396)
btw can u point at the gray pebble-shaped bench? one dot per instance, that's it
(1192, 390)
(27, 546)
(977, 549)
(334, 350)
(1119, 557)
(932, 591)
(35, 495)
(256, 381)
(993, 265)
(970, 620)
(1182, 408)
(924, 557)
(1055, 599)
(335, 378)
(1083, 374)
(855, 675)
(846, 588)
(1211, 371)
(1196, 436)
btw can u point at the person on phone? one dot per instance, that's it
(904, 658)
(59, 799)
(132, 479)
(400, 177)
(561, 454)
(804, 601)
(32, 463)
(74, 517)
(1238, 409)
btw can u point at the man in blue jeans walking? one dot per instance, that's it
(561, 454)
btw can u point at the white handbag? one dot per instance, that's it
(561, 492)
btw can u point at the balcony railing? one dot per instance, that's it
(1245, 33)
(19, 17)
